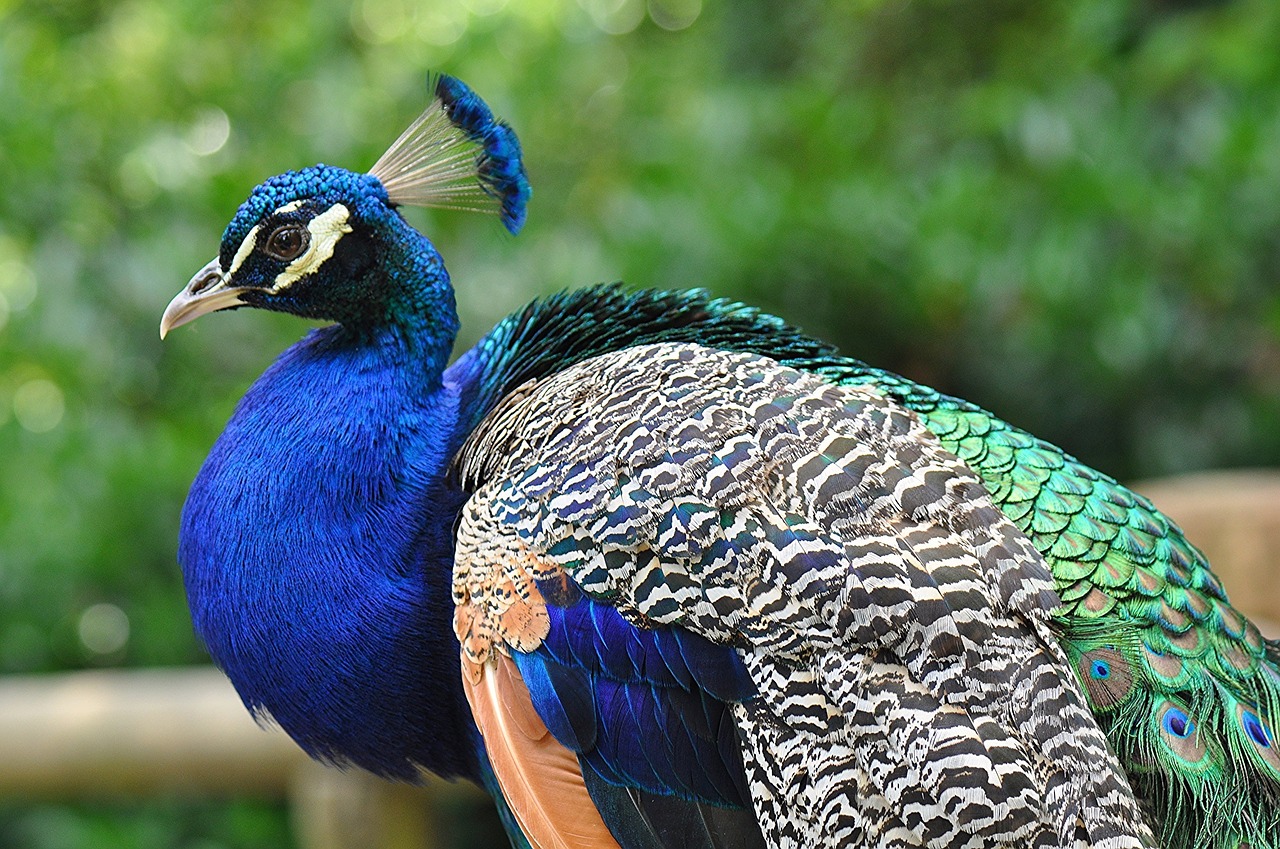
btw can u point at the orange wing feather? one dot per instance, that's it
(540, 778)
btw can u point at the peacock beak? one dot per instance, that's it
(208, 291)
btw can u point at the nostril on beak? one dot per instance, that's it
(204, 281)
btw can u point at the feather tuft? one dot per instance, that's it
(457, 155)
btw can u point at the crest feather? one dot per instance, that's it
(456, 155)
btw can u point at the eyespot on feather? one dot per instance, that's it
(1108, 677)
(1182, 737)
(1259, 739)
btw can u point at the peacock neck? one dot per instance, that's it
(418, 321)
(317, 549)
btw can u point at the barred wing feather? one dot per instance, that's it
(896, 627)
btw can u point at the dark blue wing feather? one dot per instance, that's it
(648, 711)
(641, 820)
(571, 718)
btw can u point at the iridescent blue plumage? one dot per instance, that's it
(298, 618)
(613, 691)
(321, 185)
(780, 598)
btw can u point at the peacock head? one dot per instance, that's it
(306, 242)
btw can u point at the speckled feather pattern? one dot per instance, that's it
(1183, 684)
(894, 622)
(1145, 622)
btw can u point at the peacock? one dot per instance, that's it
(657, 569)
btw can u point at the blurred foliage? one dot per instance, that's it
(153, 824)
(1065, 211)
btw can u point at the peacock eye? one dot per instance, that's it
(287, 242)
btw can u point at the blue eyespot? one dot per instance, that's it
(1256, 730)
(1177, 723)
(1100, 669)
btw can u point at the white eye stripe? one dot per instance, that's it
(246, 247)
(325, 229)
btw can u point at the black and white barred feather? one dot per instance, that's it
(895, 623)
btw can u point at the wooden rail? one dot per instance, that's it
(131, 733)
(138, 732)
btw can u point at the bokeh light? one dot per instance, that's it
(103, 628)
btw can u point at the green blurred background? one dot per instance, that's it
(1065, 210)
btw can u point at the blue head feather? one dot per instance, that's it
(320, 185)
(364, 267)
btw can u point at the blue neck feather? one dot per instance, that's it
(317, 540)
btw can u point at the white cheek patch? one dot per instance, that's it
(326, 229)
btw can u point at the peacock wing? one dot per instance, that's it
(906, 687)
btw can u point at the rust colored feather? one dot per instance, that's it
(497, 603)
(540, 778)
